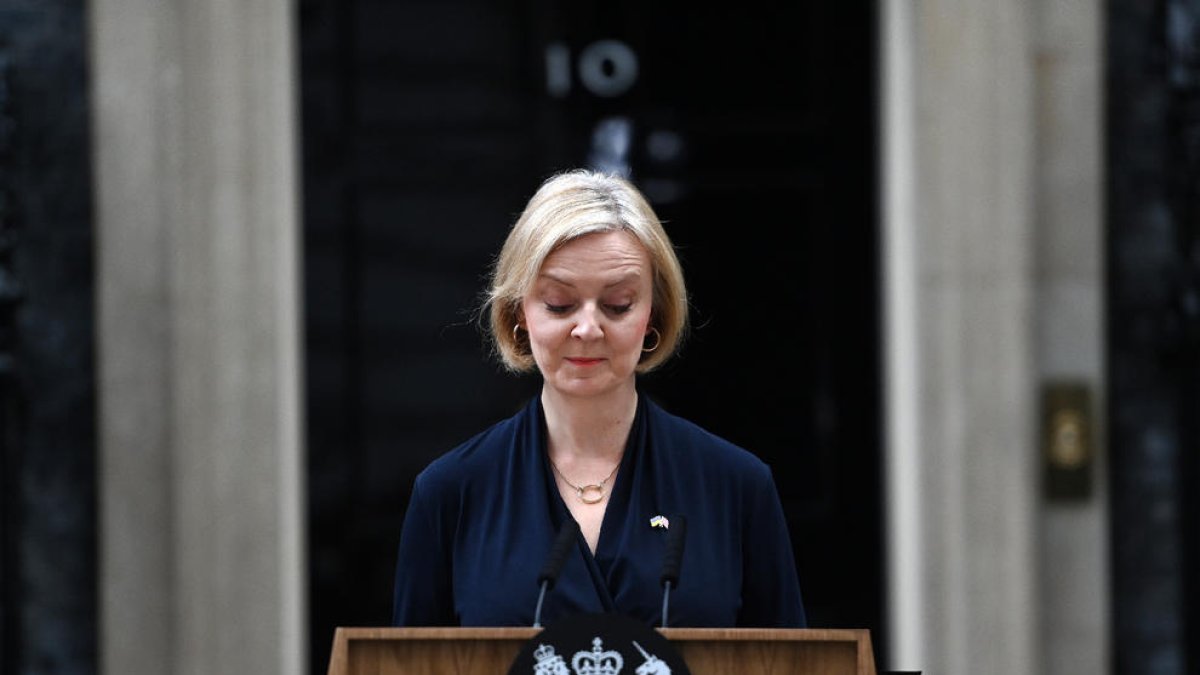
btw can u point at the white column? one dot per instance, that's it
(902, 356)
(1075, 593)
(201, 473)
(961, 393)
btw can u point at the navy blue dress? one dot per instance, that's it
(482, 519)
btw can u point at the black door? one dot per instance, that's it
(48, 600)
(1153, 333)
(751, 129)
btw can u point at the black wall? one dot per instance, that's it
(1153, 79)
(427, 125)
(47, 444)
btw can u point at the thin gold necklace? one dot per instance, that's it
(588, 494)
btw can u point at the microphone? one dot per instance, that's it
(672, 558)
(554, 563)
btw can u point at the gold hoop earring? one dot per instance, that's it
(516, 327)
(657, 340)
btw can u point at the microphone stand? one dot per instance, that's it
(666, 600)
(537, 613)
(563, 543)
(672, 558)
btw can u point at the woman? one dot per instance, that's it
(587, 289)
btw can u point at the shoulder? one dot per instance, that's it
(688, 440)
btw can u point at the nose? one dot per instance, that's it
(587, 323)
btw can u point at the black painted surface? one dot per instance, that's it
(47, 386)
(426, 126)
(52, 430)
(10, 391)
(1154, 331)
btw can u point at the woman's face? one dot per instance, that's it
(588, 311)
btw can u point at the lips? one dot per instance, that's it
(580, 361)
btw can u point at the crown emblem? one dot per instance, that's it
(597, 661)
(548, 662)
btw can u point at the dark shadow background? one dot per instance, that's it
(48, 603)
(1153, 332)
(426, 127)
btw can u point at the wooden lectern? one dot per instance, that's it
(707, 651)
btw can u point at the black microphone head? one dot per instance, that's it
(559, 552)
(673, 556)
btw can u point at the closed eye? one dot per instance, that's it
(557, 309)
(619, 309)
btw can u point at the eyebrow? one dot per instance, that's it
(623, 279)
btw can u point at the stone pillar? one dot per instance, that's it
(1075, 595)
(961, 394)
(200, 471)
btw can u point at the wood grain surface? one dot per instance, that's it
(707, 651)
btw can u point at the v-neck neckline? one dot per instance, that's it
(615, 511)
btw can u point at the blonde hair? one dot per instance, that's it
(567, 206)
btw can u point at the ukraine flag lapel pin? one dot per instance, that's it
(660, 521)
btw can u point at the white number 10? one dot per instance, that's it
(606, 68)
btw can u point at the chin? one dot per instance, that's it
(582, 391)
(589, 387)
(583, 386)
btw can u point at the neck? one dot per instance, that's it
(589, 428)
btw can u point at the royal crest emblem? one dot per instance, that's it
(598, 661)
(652, 665)
(607, 644)
(549, 662)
